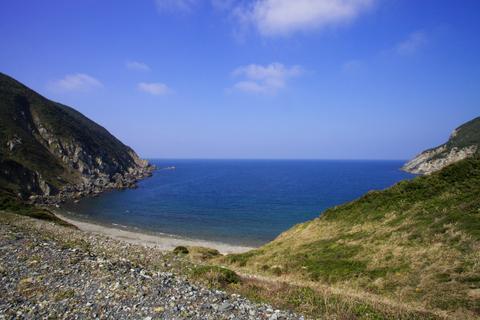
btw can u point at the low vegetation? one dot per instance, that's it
(466, 135)
(315, 303)
(12, 204)
(180, 250)
(202, 254)
(214, 276)
(417, 243)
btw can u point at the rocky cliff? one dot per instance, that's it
(464, 142)
(50, 152)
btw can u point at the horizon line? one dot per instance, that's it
(274, 159)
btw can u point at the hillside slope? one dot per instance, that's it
(464, 142)
(49, 151)
(417, 242)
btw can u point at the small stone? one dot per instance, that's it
(159, 309)
(225, 306)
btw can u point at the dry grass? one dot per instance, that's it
(202, 254)
(415, 246)
(392, 271)
(322, 302)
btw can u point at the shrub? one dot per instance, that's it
(215, 276)
(202, 253)
(180, 250)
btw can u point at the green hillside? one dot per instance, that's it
(417, 243)
(466, 135)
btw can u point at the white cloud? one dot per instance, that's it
(412, 44)
(76, 82)
(175, 5)
(264, 79)
(137, 66)
(277, 17)
(251, 87)
(283, 17)
(154, 88)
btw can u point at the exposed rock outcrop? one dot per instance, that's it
(464, 142)
(436, 159)
(50, 152)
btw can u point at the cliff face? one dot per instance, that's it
(464, 142)
(49, 152)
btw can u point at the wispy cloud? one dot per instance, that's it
(137, 66)
(353, 66)
(154, 88)
(283, 17)
(264, 79)
(75, 82)
(277, 17)
(175, 5)
(412, 44)
(223, 4)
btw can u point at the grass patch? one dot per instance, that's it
(12, 204)
(180, 250)
(202, 254)
(215, 276)
(64, 294)
(328, 260)
(241, 259)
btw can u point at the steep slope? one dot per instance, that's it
(49, 151)
(417, 242)
(463, 143)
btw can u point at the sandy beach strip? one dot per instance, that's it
(163, 242)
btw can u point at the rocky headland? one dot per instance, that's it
(50, 152)
(94, 186)
(464, 142)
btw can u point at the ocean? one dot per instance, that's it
(238, 202)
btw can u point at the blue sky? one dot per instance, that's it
(326, 79)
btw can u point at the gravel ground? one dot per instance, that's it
(47, 271)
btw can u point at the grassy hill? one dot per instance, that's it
(466, 135)
(416, 243)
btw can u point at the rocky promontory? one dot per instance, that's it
(94, 186)
(464, 142)
(50, 152)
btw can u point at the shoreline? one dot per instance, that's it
(162, 242)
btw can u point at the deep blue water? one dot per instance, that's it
(243, 202)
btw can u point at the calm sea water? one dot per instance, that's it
(242, 202)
